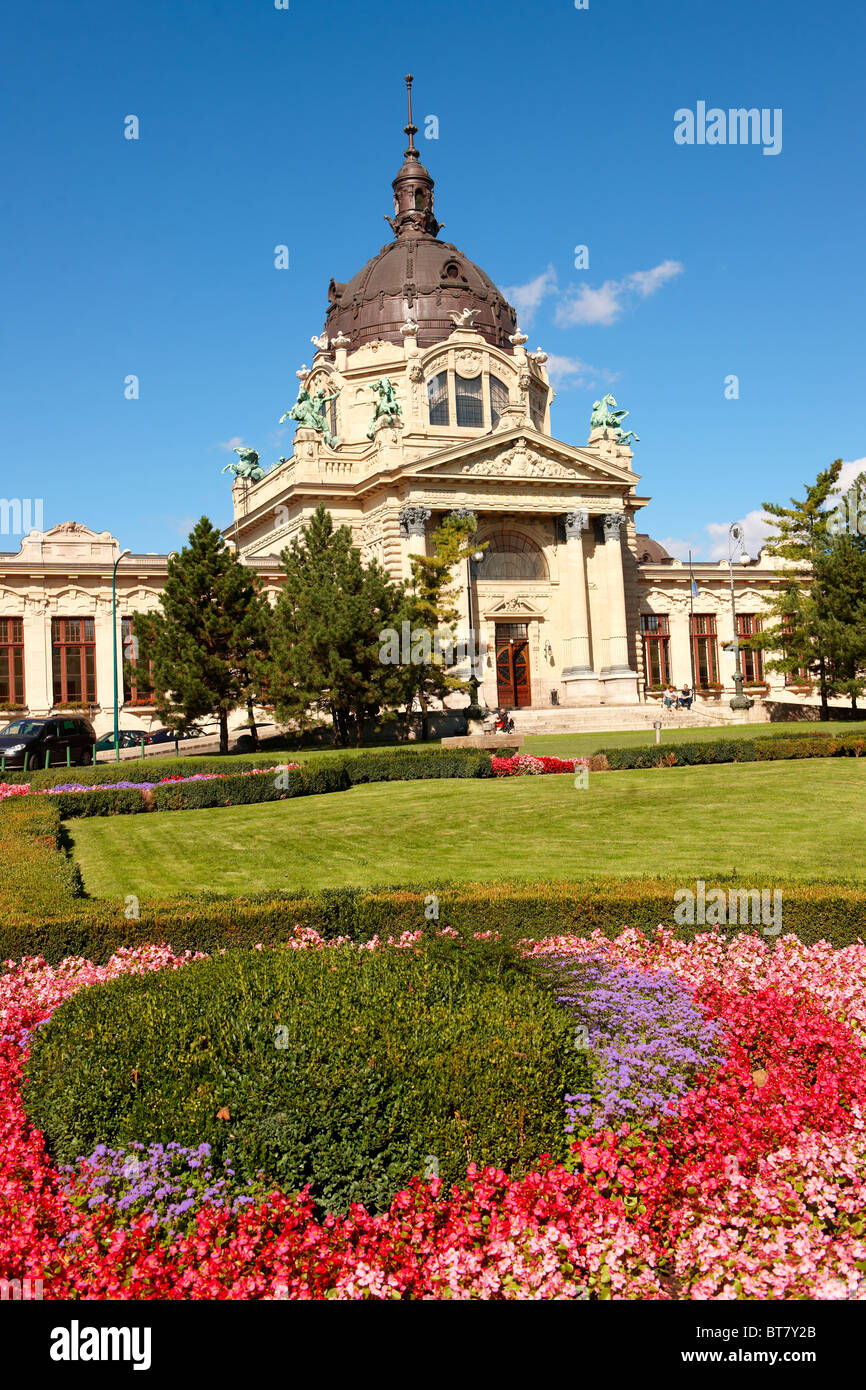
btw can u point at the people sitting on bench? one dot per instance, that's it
(684, 699)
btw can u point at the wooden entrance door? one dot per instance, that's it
(513, 686)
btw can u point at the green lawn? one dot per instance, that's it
(574, 745)
(765, 820)
(567, 745)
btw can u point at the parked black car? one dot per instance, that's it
(126, 738)
(169, 735)
(34, 738)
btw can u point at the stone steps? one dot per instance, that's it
(616, 718)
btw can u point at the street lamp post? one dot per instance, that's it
(735, 541)
(474, 710)
(114, 646)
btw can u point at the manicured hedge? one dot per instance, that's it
(139, 770)
(409, 766)
(346, 1070)
(405, 764)
(735, 750)
(189, 796)
(36, 877)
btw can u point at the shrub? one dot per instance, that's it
(240, 790)
(344, 1069)
(766, 748)
(138, 770)
(409, 765)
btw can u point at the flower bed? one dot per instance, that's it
(8, 789)
(748, 1181)
(523, 764)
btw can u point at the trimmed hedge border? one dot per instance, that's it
(43, 913)
(732, 750)
(366, 766)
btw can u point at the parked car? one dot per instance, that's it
(169, 735)
(126, 738)
(34, 739)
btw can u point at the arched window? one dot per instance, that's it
(437, 399)
(419, 200)
(498, 399)
(470, 405)
(511, 556)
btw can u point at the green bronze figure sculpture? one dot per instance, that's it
(606, 416)
(309, 413)
(387, 406)
(247, 466)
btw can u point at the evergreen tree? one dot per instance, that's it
(804, 633)
(431, 613)
(325, 646)
(839, 597)
(212, 620)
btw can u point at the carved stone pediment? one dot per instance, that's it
(518, 607)
(524, 458)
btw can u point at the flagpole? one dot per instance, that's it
(692, 628)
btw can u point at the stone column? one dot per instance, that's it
(413, 534)
(620, 681)
(580, 680)
(461, 581)
(38, 680)
(104, 658)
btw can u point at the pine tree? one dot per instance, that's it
(431, 614)
(211, 622)
(325, 646)
(838, 594)
(802, 636)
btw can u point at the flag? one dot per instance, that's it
(694, 587)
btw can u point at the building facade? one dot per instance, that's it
(423, 399)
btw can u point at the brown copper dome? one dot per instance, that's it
(416, 276)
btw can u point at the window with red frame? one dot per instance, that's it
(655, 630)
(800, 676)
(705, 648)
(11, 661)
(73, 658)
(751, 657)
(137, 677)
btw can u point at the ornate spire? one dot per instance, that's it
(410, 129)
(413, 188)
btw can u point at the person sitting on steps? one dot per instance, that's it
(684, 699)
(669, 697)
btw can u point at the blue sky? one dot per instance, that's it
(260, 127)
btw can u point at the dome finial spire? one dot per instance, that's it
(410, 129)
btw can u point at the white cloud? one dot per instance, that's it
(231, 444)
(850, 472)
(526, 298)
(646, 282)
(757, 528)
(679, 549)
(606, 304)
(566, 372)
(586, 305)
(711, 543)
